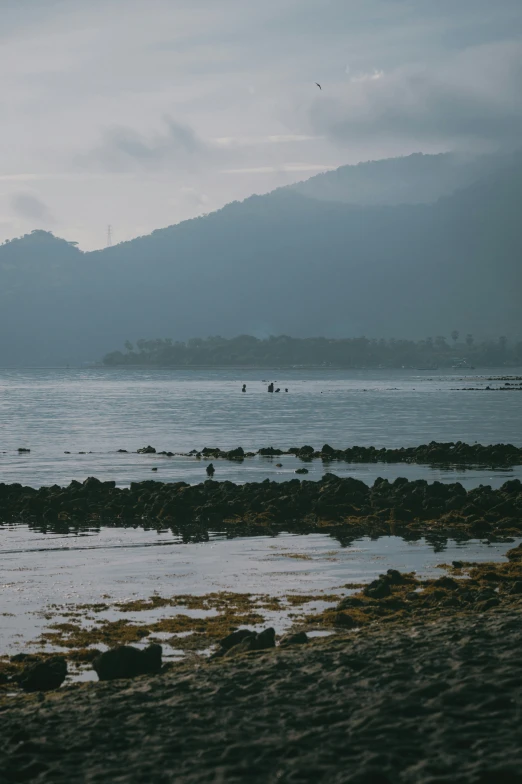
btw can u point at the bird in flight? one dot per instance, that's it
(319, 86)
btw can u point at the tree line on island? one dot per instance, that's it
(282, 350)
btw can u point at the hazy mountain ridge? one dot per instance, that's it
(280, 263)
(411, 179)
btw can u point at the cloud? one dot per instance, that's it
(30, 207)
(252, 141)
(284, 167)
(194, 197)
(372, 76)
(475, 95)
(124, 149)
(95, 78)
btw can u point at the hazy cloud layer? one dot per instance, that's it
(123, 149)
(27, 205)
(142, 113)
(474, 96)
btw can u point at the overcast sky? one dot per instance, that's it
(141, 113)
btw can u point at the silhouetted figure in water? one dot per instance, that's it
(210, 470)
(278, 390)
(286, 390)
(244, 388)
(271, 387)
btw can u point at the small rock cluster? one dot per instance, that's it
(246, 641)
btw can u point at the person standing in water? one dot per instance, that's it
(244, 388)
(271, 387)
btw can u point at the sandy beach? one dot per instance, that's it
(425, 702)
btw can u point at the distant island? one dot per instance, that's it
(285, 351)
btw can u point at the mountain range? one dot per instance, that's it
(407, 247)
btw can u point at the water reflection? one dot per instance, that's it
(45, 568)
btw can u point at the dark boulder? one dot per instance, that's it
(234, 454)
(235, 638)
(378, 589)
(394, 577)
(265, 639)
(126, 661)
(327, 450)
(44, 675)
(146, 450)
(269, 451)
(254, 642)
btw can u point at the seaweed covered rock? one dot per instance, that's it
(269, 451)
(384, 508)
(378, 589)
(126, 661)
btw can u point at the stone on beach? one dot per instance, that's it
(253, 641)
(126, 661)
(44, 675)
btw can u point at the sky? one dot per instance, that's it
(141, 113)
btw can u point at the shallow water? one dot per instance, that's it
(116, 565)
(102, 410)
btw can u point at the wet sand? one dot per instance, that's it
(424, 702)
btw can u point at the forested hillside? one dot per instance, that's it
(284, 263)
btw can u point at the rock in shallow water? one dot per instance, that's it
(126, 661)
(44, 675)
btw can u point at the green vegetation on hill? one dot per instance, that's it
(284, 351)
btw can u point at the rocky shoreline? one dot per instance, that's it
(392, 598)
(345, 507)
(420, 684)
(434, 453)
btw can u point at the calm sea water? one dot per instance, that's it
(98, 411)
(93, 413)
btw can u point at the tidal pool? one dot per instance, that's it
(50, 577)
